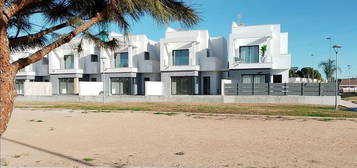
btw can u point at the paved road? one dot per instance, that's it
(349, 105)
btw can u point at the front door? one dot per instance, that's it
(206, 85)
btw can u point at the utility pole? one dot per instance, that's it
(349, 76)
(336, 48)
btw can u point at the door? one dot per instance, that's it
(277, 79)
(206, 85)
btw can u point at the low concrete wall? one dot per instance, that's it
(90, 88)
(316, 100)
(37, 88)
(153, 88)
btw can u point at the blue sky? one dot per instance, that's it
(308, 22)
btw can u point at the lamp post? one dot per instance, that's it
(349, 76)
(103, 69)
(330, 46)
(336, 48)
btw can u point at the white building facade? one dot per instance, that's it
(191, 62)
(182, 63)
(128, 67)
(258, 54)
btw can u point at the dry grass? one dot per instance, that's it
(246, 109)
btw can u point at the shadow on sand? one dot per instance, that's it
(49, 152)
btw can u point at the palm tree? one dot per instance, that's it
(19, 30)
(329, 68)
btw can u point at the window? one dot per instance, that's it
(19, 84)
(121, 60)
(248, 79)
(182, 85)
(68, 61)
(94, 58)
(208, 52)
(45, 61)
(66, 86)
(249, 54)
(180, 57)
(147, 55)
(121, 86)
(93, 79)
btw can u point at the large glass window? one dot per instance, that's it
(66, 86)
(19, 86)
(249, 54)
(182, 85)
(68, 61)
(121, 86)
(121, 60)
(180, 57)
(248, 79)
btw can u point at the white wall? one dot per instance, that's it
(303, 80)
(37, 89)
(153, 88)
(90, 88)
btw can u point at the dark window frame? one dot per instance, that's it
(249, 46)
(174, 56)
(147, 55)
(94, 58)
(116, 57)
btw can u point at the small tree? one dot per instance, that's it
(329, 68)
(75, 17)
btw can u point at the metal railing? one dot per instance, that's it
(280, 89)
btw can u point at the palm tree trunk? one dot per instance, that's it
(7, 80)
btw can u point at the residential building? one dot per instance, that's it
(348, 85)
(258, 54)
(128, 67)
(191, 62)
(65, 69)
(25, 74)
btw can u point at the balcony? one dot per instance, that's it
(121, 70)
(66, 71)
(261, 63)
(26, 72)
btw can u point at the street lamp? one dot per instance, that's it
(349, 76)
(103, 69)
(336, 48)
(330, 45)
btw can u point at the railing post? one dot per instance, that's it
(269, 89)
(237, 89)
(319, 89)
(285, 89)
(302, 89)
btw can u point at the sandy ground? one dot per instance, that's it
(66, 138)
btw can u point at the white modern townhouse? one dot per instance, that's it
(26, 74)
(182, 63)
(127, 68)
(68, 65)
(258, 54)
(192, 62)
(37, 72)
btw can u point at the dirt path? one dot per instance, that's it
(63, 138)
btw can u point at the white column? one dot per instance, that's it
(130, 56)
(76, 61)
